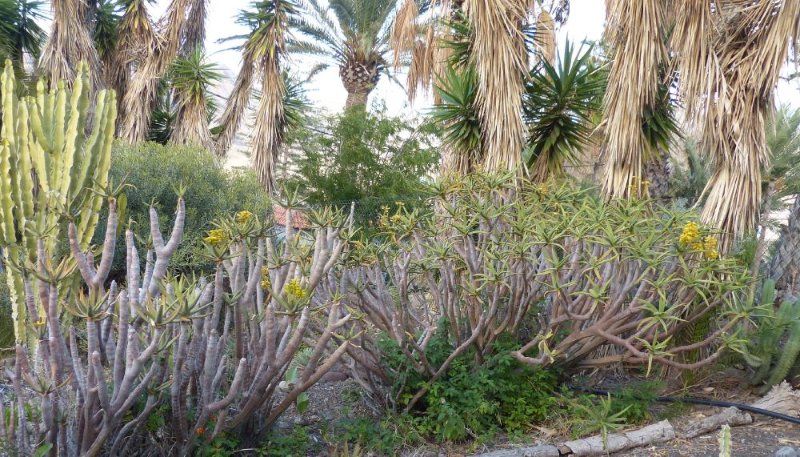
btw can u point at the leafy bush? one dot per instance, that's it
(554, 269)
(154, 172)
(372, 159)
(477, 397)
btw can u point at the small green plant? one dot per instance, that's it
(294, 443)
(775, 327)
(598, 417)
(476, 397)
(223, 445)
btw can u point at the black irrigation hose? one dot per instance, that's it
(701, 401)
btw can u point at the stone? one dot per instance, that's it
(787, 451)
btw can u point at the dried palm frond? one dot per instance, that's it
(237, 104)
(500, 58)
(191, 77)
(69, 43)
(403, 36)
(195, 34)
(695, 62)
(135, 38)
(546, 36)
(751, 49)
(636, 38)
(141, 95)
(269, 129)
(420, 72)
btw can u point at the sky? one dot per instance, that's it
(326, 92)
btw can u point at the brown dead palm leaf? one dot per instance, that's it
(69, 43)
(136, 36)
(546, 36)
(195, 32)
(420, 72)
(500, 58)
(636, 37)
(403, 37)
(191, 78)
(143, 88)
(237, 104)
(751, 49)
(269, 128)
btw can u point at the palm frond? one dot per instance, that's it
(458, 119)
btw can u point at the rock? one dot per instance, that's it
(787, 451)
(534, 451)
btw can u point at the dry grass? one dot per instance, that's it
(501, 62)
(636, 38)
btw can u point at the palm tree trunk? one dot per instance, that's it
(785, 265)
(355, 99)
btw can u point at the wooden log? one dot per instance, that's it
(781, 399)
(616, 442)
(728, 416)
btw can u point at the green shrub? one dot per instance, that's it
(370, 158)
(475, 397)
(154, 172)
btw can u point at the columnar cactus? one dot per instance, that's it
(47, 159)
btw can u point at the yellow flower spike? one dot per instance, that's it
(40, 323)
(294, 289)
(690, 234)
(243, 216)
(215, 237)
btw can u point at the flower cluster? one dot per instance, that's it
(692, 238)
(215, 237)
(690, 234)
(243, 216)
(294, 289)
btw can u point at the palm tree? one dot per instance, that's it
(20, 34)
(69, 43)
(191, 77)
(560, 99)
(351, 34)
(262, 57)
(136, 36)
(142, 91)
(106, 37)
(729, 59)
(500, 57)
(636, 35)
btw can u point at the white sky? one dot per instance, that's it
(326, 91)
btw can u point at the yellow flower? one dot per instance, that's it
(40, 323)
(215, 237)
(690, 234)
(294, 289)
(243, 216)
(697, 246)
(710, 247)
